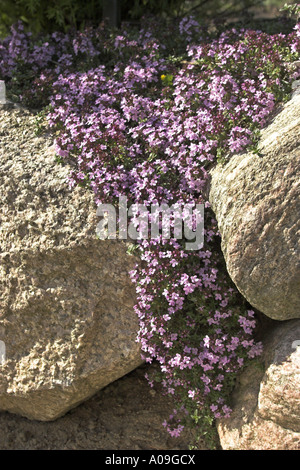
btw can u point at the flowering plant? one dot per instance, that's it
(145, 116)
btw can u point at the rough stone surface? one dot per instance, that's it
(66, 300)
(125, 415)
(257, 205)
(266, 400)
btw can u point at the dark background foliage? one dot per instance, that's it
(53, 15)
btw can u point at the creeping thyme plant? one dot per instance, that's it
(145, 113)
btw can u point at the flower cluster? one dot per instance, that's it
(142, 119)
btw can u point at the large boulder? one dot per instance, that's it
(125, 415)
(66, 300)
(256, 202)
(266, 399)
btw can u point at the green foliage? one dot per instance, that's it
(42, 15)
(292, 10)
(41, 123)
(167, 79)
(219, 9)
(135, 9)
(132, 249)
(9, 14)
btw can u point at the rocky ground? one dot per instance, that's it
(125, 415)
